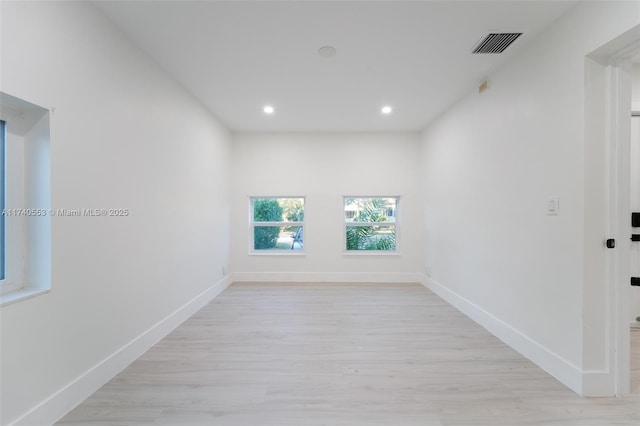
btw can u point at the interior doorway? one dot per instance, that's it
(614, 64)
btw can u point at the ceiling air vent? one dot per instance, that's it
(495, 42)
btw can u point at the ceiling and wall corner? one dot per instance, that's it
(236, 57)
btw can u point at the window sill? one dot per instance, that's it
(276, 253)
(22, 294)
(370, 253)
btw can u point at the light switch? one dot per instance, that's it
(553, 206)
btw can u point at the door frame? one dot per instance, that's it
(618, 217)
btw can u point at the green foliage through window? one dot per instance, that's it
(266, 210)
(361, 213)
(277, 223)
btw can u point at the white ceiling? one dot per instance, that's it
(237, 56)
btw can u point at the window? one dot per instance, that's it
(2, 185)
(370, 224)
(25, 198)
(277, 225)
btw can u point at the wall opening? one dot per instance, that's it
(26, 213)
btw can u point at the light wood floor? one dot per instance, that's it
(635, 360)
(338, 355)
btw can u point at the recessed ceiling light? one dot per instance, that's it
(268, 109)
(327, 51)
(386, 109)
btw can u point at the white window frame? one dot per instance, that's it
(253, 224)
(395, 224)
(27, 201)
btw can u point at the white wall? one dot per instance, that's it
(490, 163)
(324, 168)
(123, 135)
(37, 191)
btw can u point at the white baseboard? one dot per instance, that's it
(60, 403)
(597, 383)
(586, 383)
(328, 277)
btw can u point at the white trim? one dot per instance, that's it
(328, 277)
(597, 383)
(8, 286)
(372, 252)
(277, 252)
(563, 370)
(618, 209)
(64, 400)
(14, 295)
(280, 223)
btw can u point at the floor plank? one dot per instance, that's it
(338, 354)
(635, 360)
